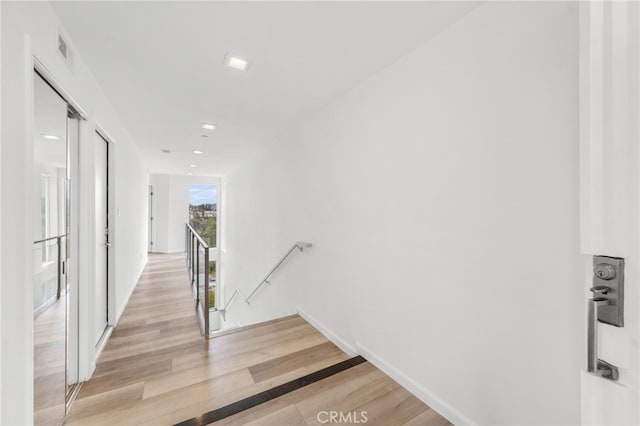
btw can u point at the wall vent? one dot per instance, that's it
(62, 46)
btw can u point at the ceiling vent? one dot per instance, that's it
(62, 46)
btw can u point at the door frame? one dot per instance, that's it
(112, 220)
(37, 67)
(102, 340)
(609, 46)
(152, 209)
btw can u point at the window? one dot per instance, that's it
(203, 212)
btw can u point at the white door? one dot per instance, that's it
(151, 214)
(102, 237)
(610, 187)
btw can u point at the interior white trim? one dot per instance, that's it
(48, 76)
(113, 211)
(126, 302)
(103, 133)
(103, 341)
(424, 394)
(124, 306)
(99, 347)
(24, 395)
(1, 234)
(328, 333)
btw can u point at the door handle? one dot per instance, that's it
(595, 365)
(107, 244)
(605, 306)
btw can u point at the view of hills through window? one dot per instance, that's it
(203, 211)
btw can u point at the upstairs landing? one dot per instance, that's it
(157, 369)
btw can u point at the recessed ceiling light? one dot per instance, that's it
(236, 62)
(208, 126)
(195, 151)
(51, 137)
(166, 151)
(193, 165)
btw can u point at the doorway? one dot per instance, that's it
(103, 243)
(55, 301)
(151, 213)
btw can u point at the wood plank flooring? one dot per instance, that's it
(49, 372)
(157, 369)
(360, 392)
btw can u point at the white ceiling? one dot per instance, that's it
(160, 64)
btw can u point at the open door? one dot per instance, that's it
(609, 212)
(101, 281)
(55, 243)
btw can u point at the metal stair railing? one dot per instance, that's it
(301, 245)
(197, 256)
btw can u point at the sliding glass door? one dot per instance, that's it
(55, 305)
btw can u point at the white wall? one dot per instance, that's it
(131, 228)
(171, 194)
(441, 196)
(30, 28)
(1, 227)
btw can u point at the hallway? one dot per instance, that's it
(445, 163)
(157, 328)
(157, 369)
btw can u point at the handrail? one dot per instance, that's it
(193, 244)
(60, 267)
(226, 305)
(44, 240)
(298, 245)
(198, 237)
(301, 245)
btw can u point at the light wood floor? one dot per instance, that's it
(49, 372)
(156, 368)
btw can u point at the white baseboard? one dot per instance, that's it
(338, 341)
(428, 397)
(121, 309)
(425, 395)
(100, 347)
(103, 341)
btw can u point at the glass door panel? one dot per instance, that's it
(49, 253)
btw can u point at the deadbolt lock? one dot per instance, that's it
(606, 306)
(604, 271)
(608, 286)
